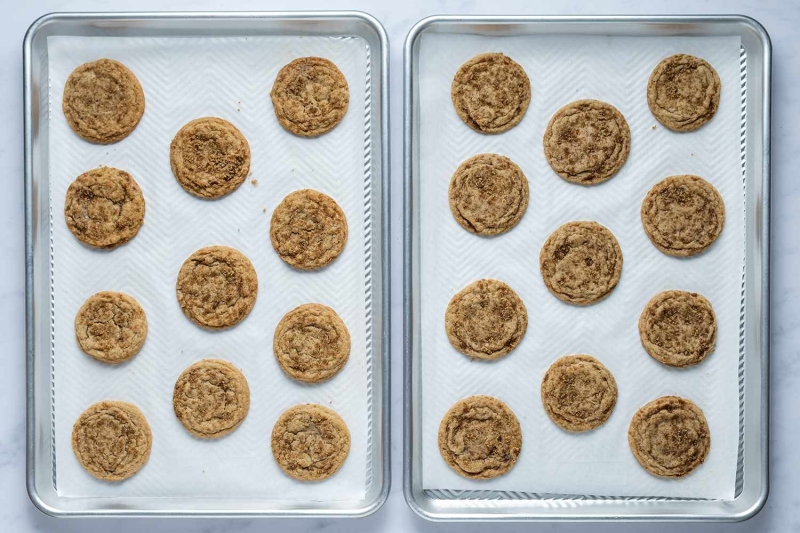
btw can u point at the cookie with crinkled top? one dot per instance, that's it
(578, 392)
(683, 92)
(111, 327)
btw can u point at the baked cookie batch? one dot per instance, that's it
(586, 143)
(216, 286)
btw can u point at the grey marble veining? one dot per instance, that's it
(782, 511)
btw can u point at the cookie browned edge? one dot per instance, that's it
(312, 409)
(515, 433)
(670, 403)
(115, 131)
(491, 160)
(665, 117)
(284, 75)
(243, 397)
(662, 354)
(137, 419)
(600, 416)
(525, 92)
(124, 353)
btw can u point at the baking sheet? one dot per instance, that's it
(183, 79)
(563, 69)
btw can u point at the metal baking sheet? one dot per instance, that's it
(752, 472)
(41, 433)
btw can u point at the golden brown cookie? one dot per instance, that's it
(486, 319)
(308, 229)
(104, 207)
(578, 393)
(311, 343)
(480, 437)
(209, 157)
(678, 328)
(683, 92)
(310, 442)
(587, 142)
(217, 287)
(103, 101)
(211, 398)
(488, 194)
(111, 327)
(310, 96)
(683, 215)
(491, 93)
(669, 436)
(112, 440)
(581, 262)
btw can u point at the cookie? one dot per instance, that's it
(683, 215)
(111, 327)
(578, 393)
(581, 262)
(104, 207)
(678, 328)
(308, 229)
(486, 319)
(103, 101)
(488, 194)
(683, 92)
(310, 442)
(311, 343)
(209, 157)
(480, 437)
(587, 142)
(112, 440)
(217, 287)
(669, 436)
(310, 96)
(211, 398)
(491, 93)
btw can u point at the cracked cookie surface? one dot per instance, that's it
(112, 440)
(211, 398)
(217, 287)
(111, 327)
(104, 207)
(310, 442)
(103, 101)
(308, 229)
(310, 96)
(578, 392)
(683, 92)
(480, 437)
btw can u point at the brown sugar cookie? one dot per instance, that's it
(486, 319)
(669, 436)
(491, 93)
(587, 142)
(104, 207)
(678, 328)
(103, 101)
(217, 287)
(480, 437)
(211, 398)
(488, 194)
(578, 392)
(311, 343)
(112, 440)
(310, 96)
(308, 229)
(581, 262)
(683, 215)
(310, 442)
(683, 92)
(209, 157)
(111, 327)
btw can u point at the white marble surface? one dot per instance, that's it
(782, 511)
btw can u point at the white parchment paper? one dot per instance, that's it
(183, 79)
(563, 69)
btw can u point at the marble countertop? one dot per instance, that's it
(782, 511)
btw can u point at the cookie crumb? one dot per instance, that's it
(254, 182)
(653, 127)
